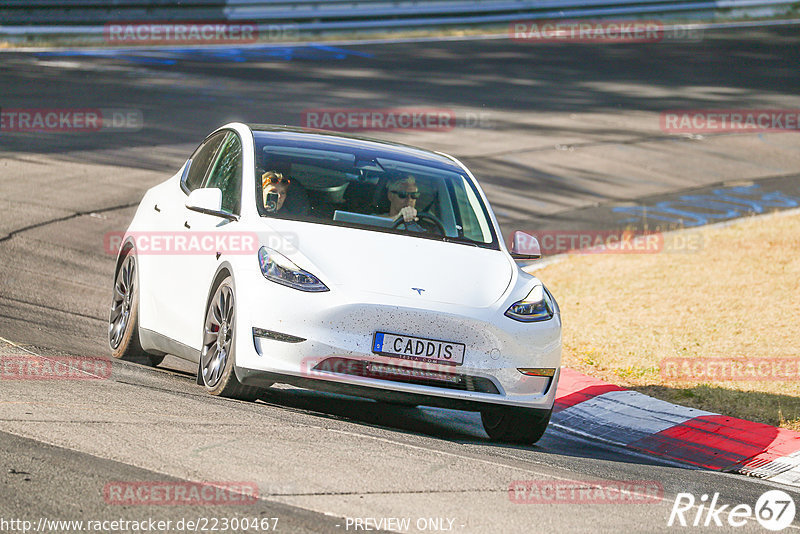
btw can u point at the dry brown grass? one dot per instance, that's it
(738, 297)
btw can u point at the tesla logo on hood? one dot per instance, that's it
(419, 290)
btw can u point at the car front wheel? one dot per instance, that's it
(515, 425)
(217, 358)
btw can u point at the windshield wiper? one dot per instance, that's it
(461, 240)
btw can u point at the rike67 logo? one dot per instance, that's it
(774, 510)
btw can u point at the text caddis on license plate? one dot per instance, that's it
(417, 348)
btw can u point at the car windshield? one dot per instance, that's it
(366, 190)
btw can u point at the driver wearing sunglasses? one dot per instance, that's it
(403, 194)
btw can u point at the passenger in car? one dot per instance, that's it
(403, 194)
(275, 182)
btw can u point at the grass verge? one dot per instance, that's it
(737, 298)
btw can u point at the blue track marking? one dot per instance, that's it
(721, 204)
(171, 56)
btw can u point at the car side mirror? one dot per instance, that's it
(208, 200)
(525, 246)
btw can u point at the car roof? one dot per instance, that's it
(366, 148)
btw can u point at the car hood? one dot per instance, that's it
(399, 265)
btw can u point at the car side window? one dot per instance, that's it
(201, 159)
(226, 173)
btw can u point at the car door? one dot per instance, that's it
(197, 270)
(168, 263)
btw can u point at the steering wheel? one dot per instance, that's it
(426, 223)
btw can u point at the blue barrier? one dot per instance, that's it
(89, 16)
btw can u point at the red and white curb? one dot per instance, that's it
(632, 420)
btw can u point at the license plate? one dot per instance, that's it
(418, 348)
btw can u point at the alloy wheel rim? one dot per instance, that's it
(217, 336)
(122, 302)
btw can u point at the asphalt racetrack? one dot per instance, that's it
(560, 135)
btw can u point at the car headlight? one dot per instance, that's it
(537, 306)
(280, 269)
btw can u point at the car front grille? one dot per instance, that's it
(423, 374)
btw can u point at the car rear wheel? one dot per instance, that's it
(217, 358)
(123, 321)
(515, 425)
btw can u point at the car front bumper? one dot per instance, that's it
(323, 341)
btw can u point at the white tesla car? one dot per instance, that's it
(276, 255)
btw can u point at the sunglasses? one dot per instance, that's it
(404, 194)
(276, 180)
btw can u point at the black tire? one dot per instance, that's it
(515, 425)
(218, 355)
(123, 320)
